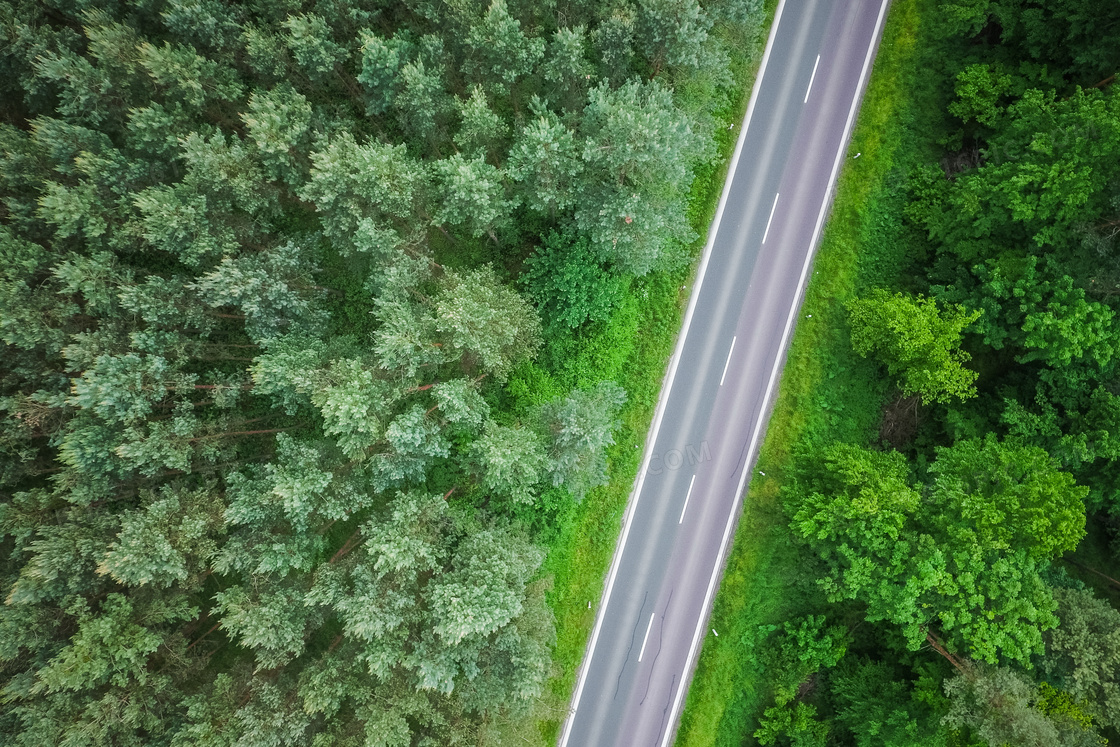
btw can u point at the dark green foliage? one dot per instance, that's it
(1083, 652)
(247, 328)
(570, 284)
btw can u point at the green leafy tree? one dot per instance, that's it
(470, 193)
(569, 284)
(882, 709)
(500, 52)
(382, 60)
(545, 161)
(187, 76)
(579, 428)
(279, 121)
(1030, 306)
(630, 202)
(979, 89)
(273, 289)
(1001, 706)
(567, 66)
(1084, 652)
(511, 461)
(309, 39)
(673, 32)
(486, 320)
(356, 188)
(918, 342)
(1008, 497)
(481, 129)
(423, 104)
(947, 560)
(803, 647)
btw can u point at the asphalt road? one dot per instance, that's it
(705, 436)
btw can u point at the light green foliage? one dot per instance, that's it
(461, 404)
(546, 161)
(125, 388)
(566, 65)
(351, 183)
(354, 404)
(579, 428)
(673, 32)
(174, 536)
(253, 283)
(110, 646)
(803, 647)
(470, 193)
(272, 624)
(979, 90)
(274, 289)
(175, 221)
(798, 723)
(187, 76)
(635, 179)
(511, 461)
(949, 560)
(278, 122)
(381, 62)
(1030, 306)
(918, 342)
(484, 589)
(486, 319)
(422, 104)
(501, 53)
(461, 590)
(1048, 171)
(309, 38)
(480, 129)
(1006, 497)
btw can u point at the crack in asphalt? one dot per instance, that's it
(633, 635)
(660, 640)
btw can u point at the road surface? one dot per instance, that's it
(706, 431)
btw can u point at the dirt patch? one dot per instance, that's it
(900, 421)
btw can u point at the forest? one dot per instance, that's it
(946, 455)
(308, 311)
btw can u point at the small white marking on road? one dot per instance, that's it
(646, 639)
(685, 506)
(811, 79)
(728, 362)
(771, 218)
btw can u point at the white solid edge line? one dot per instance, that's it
(659, 413)
(728, 361)
(771, 218)
(774, 371)
(687, 496)
(646, 639)
(811, 79)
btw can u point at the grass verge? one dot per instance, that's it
(827, 393)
